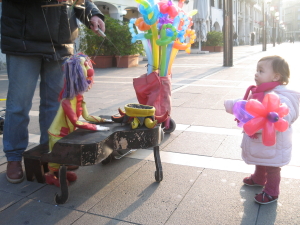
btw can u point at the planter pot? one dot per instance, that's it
(218, 48)
(102, 61)
(127, 61)
(208, 48)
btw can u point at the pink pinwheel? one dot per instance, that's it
(268, 116)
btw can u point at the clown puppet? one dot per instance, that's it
(79, 74)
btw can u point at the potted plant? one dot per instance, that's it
(100, 52)
(214, 42)
(117, 43)
(128, 53)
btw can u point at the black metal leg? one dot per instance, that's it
(61, 199)
(45, 166)
(158, 172)
(34, 168)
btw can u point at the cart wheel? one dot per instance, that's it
(107, 160)
(158, 176)
(171, 128)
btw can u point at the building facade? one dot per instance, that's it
(291, 19)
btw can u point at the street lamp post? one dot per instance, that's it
(227, 33)
(275, 15)
(277, 21)
(273, 25)
(264, 45)
(264, 31)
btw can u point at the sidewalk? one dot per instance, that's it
(202, 166)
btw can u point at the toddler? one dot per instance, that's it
(272, 76)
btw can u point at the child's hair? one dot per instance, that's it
(280, 66)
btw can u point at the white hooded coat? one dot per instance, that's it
(254, 151)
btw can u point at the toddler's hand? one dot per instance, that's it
(254, 136)
(98, 127)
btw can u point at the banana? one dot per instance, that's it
(150, 123)
(134, 123)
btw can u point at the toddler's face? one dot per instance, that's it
(265, 73)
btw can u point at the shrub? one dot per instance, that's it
(117, 41)
(214, 38)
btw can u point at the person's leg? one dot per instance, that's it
(271, 191)
(23, 73)
(259, 176)
(51, 84)
(273, 181)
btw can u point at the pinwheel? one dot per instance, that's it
(268, 116)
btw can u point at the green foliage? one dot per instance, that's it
(118, 40)
(214, 38)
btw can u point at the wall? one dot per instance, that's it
(217, 17)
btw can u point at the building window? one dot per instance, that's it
(212, 3)
(220, 4)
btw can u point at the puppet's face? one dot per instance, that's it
(87, 70)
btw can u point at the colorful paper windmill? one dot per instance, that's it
(268, 116)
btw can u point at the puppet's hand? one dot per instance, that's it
(98, 127)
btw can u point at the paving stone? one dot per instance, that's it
(200, 101)
(214, 118)
(23, 189)
(3, 166)
(206, 90)
(198, 144)
(29, 211)
(168, 138)
(217, 197)
(8, 199)
(296, 150)
(184, 115)
(94, 183)
(142, 200)
(230, 148)
(91, 219)
(178, 98)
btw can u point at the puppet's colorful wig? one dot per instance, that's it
(78, 71)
